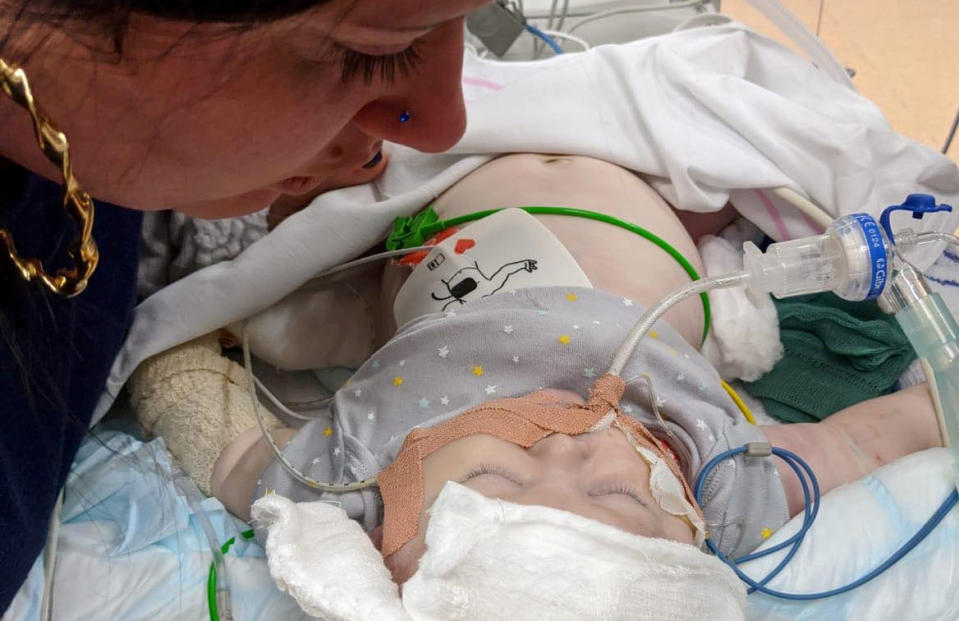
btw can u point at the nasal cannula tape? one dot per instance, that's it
(856, 257)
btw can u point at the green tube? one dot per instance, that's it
(211, 578)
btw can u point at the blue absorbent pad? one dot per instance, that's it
(130, 547)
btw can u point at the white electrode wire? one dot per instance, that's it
(556, 34)
(282, 407)
(50, 560)
(653, 314)
(310, 283)
(803, 204)
(299, 476)
(389, 254)
(634, 9)
(651, 392)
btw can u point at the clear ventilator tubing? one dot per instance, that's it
(932, 331)
(653, 314)
(194, 499)
(941, 237)
(908, 239)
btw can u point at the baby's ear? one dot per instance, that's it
(376, 535)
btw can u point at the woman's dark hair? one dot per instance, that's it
(117, 11)
(112, 16)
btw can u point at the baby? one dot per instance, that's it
(483, 384)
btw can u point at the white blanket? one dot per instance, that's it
(709, 116)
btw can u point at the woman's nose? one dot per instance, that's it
(431, 96)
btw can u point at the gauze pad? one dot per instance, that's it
(491, 559)
(667, 490)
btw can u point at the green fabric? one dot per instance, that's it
(837, 353)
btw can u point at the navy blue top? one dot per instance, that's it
(55, 355)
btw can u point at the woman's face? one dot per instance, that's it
(215, 122)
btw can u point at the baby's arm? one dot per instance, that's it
(199, 402)
(857, 440)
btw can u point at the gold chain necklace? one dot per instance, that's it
(53, 143)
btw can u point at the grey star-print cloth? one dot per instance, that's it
(509, 345)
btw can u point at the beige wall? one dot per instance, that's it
(905, 53)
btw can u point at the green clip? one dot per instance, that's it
(413, 231)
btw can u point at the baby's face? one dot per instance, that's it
(596, 475)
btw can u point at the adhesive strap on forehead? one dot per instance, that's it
(522, 421)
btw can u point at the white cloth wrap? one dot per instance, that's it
(708, 115)
(743, 342)
(490, 559)
(325, 561)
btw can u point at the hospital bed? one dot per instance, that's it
(134, 538)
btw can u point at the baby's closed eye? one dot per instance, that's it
(621, 489)
(491, 469)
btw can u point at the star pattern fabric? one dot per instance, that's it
(510, 345)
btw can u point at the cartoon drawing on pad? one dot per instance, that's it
(464, 283)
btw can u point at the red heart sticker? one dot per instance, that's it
(464, 244)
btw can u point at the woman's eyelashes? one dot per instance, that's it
(387, 68)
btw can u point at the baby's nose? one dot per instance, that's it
(560, 449)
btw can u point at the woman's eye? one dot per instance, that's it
(387, 68)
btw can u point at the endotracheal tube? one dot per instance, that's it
(858, 259)
(851, 258)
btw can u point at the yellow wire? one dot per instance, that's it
(738, 401)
